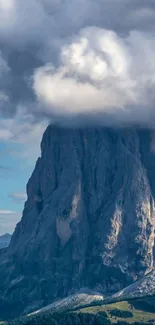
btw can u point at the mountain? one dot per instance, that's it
(5, 240)
(88, 221)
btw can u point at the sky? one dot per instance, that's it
(69, 62)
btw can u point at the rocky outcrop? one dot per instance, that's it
(89, 218)
(72, 302)
(5, 240)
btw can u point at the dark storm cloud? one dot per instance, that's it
(61, 59)
(39, 21)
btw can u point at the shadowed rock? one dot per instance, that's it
(89, 218)
(5, 240)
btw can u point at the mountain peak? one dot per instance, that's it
(5, 240)
(89, 218)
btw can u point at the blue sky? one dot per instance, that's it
(13, 178)
(17, 162)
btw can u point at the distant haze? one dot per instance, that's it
(5, 240)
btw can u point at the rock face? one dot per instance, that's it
(89, 219)
(71, 302)
(5, 240)
(144, 287)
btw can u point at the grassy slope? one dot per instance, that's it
(138, 314)
(140, 310)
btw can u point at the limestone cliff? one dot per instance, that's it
(89, 219)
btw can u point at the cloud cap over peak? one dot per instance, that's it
(101, 72)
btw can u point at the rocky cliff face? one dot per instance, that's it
(89, 219)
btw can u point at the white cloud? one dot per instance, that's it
(24, 130)
(3, 65)
(5, 134)
(98, 70)
(4, 70)
(8, 221)
(3, 98)
(6, 5)
(104, 73)
(18, 197)
(29, 21)
(22, 22)
(5, 212)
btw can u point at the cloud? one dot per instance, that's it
(19, 197)
(3, 66)
(5, 168)
(8, 221)
(5, 212)
(5, 171)
(102, 73)
(4, 71)
(41, 21)
(16, 18)
(87, 59)
(25, 130)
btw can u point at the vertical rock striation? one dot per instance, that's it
(89, 219)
